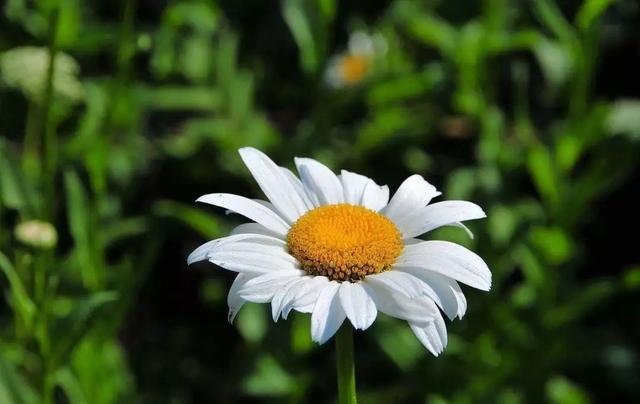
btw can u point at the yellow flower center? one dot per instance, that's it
(344, 242)
(353, 68)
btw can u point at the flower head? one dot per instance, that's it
(335, 246)
(37, 234)
(355, 64)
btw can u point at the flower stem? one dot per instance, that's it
(345, 365)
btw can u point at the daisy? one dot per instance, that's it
(354, 65)
(335, 246)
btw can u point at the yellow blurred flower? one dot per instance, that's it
(355, 64)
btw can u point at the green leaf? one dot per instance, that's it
(552, 243)
(530, 265)
(551, 17)
(502, 222)
(405, 87)
(581, 302)
(543, 173)
(428, 29)
(81, 226)
(194, 217)
(269, 379)
(14, 388)
(590, 11)
(252, 322)
(300, 335)
(394, 335)
(631, 278)
(70, 385)
(194, 98)
(15, 191)
(100, 367)
(20, 299)
(69, 331)
(562, 391)
(297, 18)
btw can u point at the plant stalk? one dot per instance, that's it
(345, 365)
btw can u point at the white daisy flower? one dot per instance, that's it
(355, 64)
(335, 246)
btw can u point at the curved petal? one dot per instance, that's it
(309, 200)
(275, 184)
(251, 256)
(327, 314)
(375, 197)
(400, 282)
(202, 252)
(439, 214)
(320, 181)
(448, 259)
(234, 301)
(250, 209)
(358, 305)
(262, 288)
(414, 193)
(443, 290)
(283, 297)
(361, 190)
(420, 310)
(353, 185)
(254, 228)
(433, 336)
(307, 295)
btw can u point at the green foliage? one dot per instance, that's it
(143, 110)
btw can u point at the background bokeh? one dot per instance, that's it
(529, 108)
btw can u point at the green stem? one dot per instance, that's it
(50, 138)
(345, 365)
(31, 159)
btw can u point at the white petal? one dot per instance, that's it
(361, 190)
(309, 200)
(375, 197)
(307, 294)
(202, 252)
(284, 297)
(252, 257)
(275, 184)
(291, 295)
(250, 209)
(414, 193)
(260, 289)
(440, 214)
(254, 228)
(448, 259)
(327, 315)
(443, 290)
(234, 301)
(399, 282)
(353, 185)
(320, 180)
(420, 310)
(358, 305)
(433, 336)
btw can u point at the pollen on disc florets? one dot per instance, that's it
(344, 242)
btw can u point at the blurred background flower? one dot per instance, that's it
(358, 61)
(529, 109)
